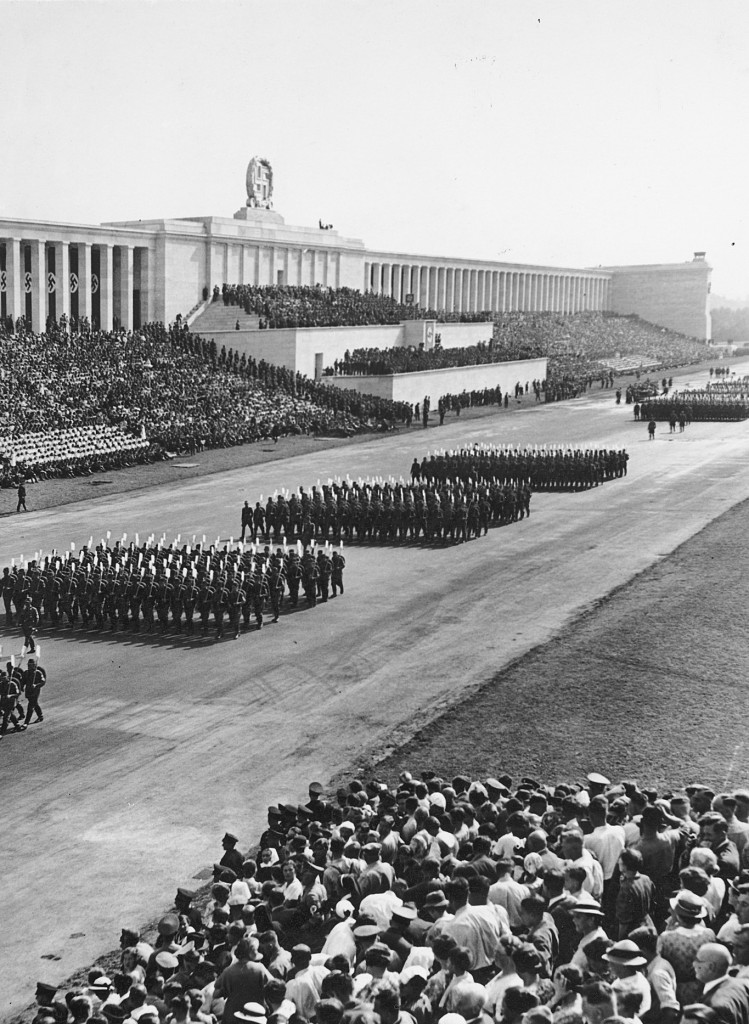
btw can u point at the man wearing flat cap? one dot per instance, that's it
(376, 876)
(183, 905)
(232, 858)
(714, 835)
(318, 808)
(305, 982)
(274, 836)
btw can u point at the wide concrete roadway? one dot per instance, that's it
(150, 749)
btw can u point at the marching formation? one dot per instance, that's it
(715, 402)
(552, 468)
(387, 510)
(166, 588)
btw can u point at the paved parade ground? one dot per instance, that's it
(151, 748)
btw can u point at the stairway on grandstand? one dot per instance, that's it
(218, 317)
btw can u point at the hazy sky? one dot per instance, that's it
(575, 133)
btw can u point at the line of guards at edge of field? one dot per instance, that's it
(121, 584)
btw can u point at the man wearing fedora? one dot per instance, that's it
(625, 964)
(587, 918)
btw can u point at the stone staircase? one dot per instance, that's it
(218, 317)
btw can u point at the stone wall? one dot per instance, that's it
(300, 348)
(412, 387)
(670, 295)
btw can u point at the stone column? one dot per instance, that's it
(465, 290)
(441, 288)
(84, 280)
(106, 287)
(424, 289)
(38, 286)
(367, 272)
(376, 274)
(62, 278)
(146, 311)
(13, 275)
(396, 283)
(387, 279)
(432, 294)
(416, 284)
(123, 286)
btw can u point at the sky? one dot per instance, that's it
(569, 132)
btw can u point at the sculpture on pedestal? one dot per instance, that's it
(259, 183)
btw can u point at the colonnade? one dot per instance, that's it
(254, 264)
(108, 284)
(458, 289)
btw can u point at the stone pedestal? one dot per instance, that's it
(255, 215)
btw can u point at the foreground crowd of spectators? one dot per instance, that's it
(454, 900)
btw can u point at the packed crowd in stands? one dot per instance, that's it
(71, 452)
(451, 511)
(165, 386)
(314, 306)
(550, 468)
(378, 361)
(453, 900)
(163, 587)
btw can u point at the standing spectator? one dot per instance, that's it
(242, 982)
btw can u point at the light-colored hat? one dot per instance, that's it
(625, 953)
(689, 905)
(253, 1012)
(587, 905)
